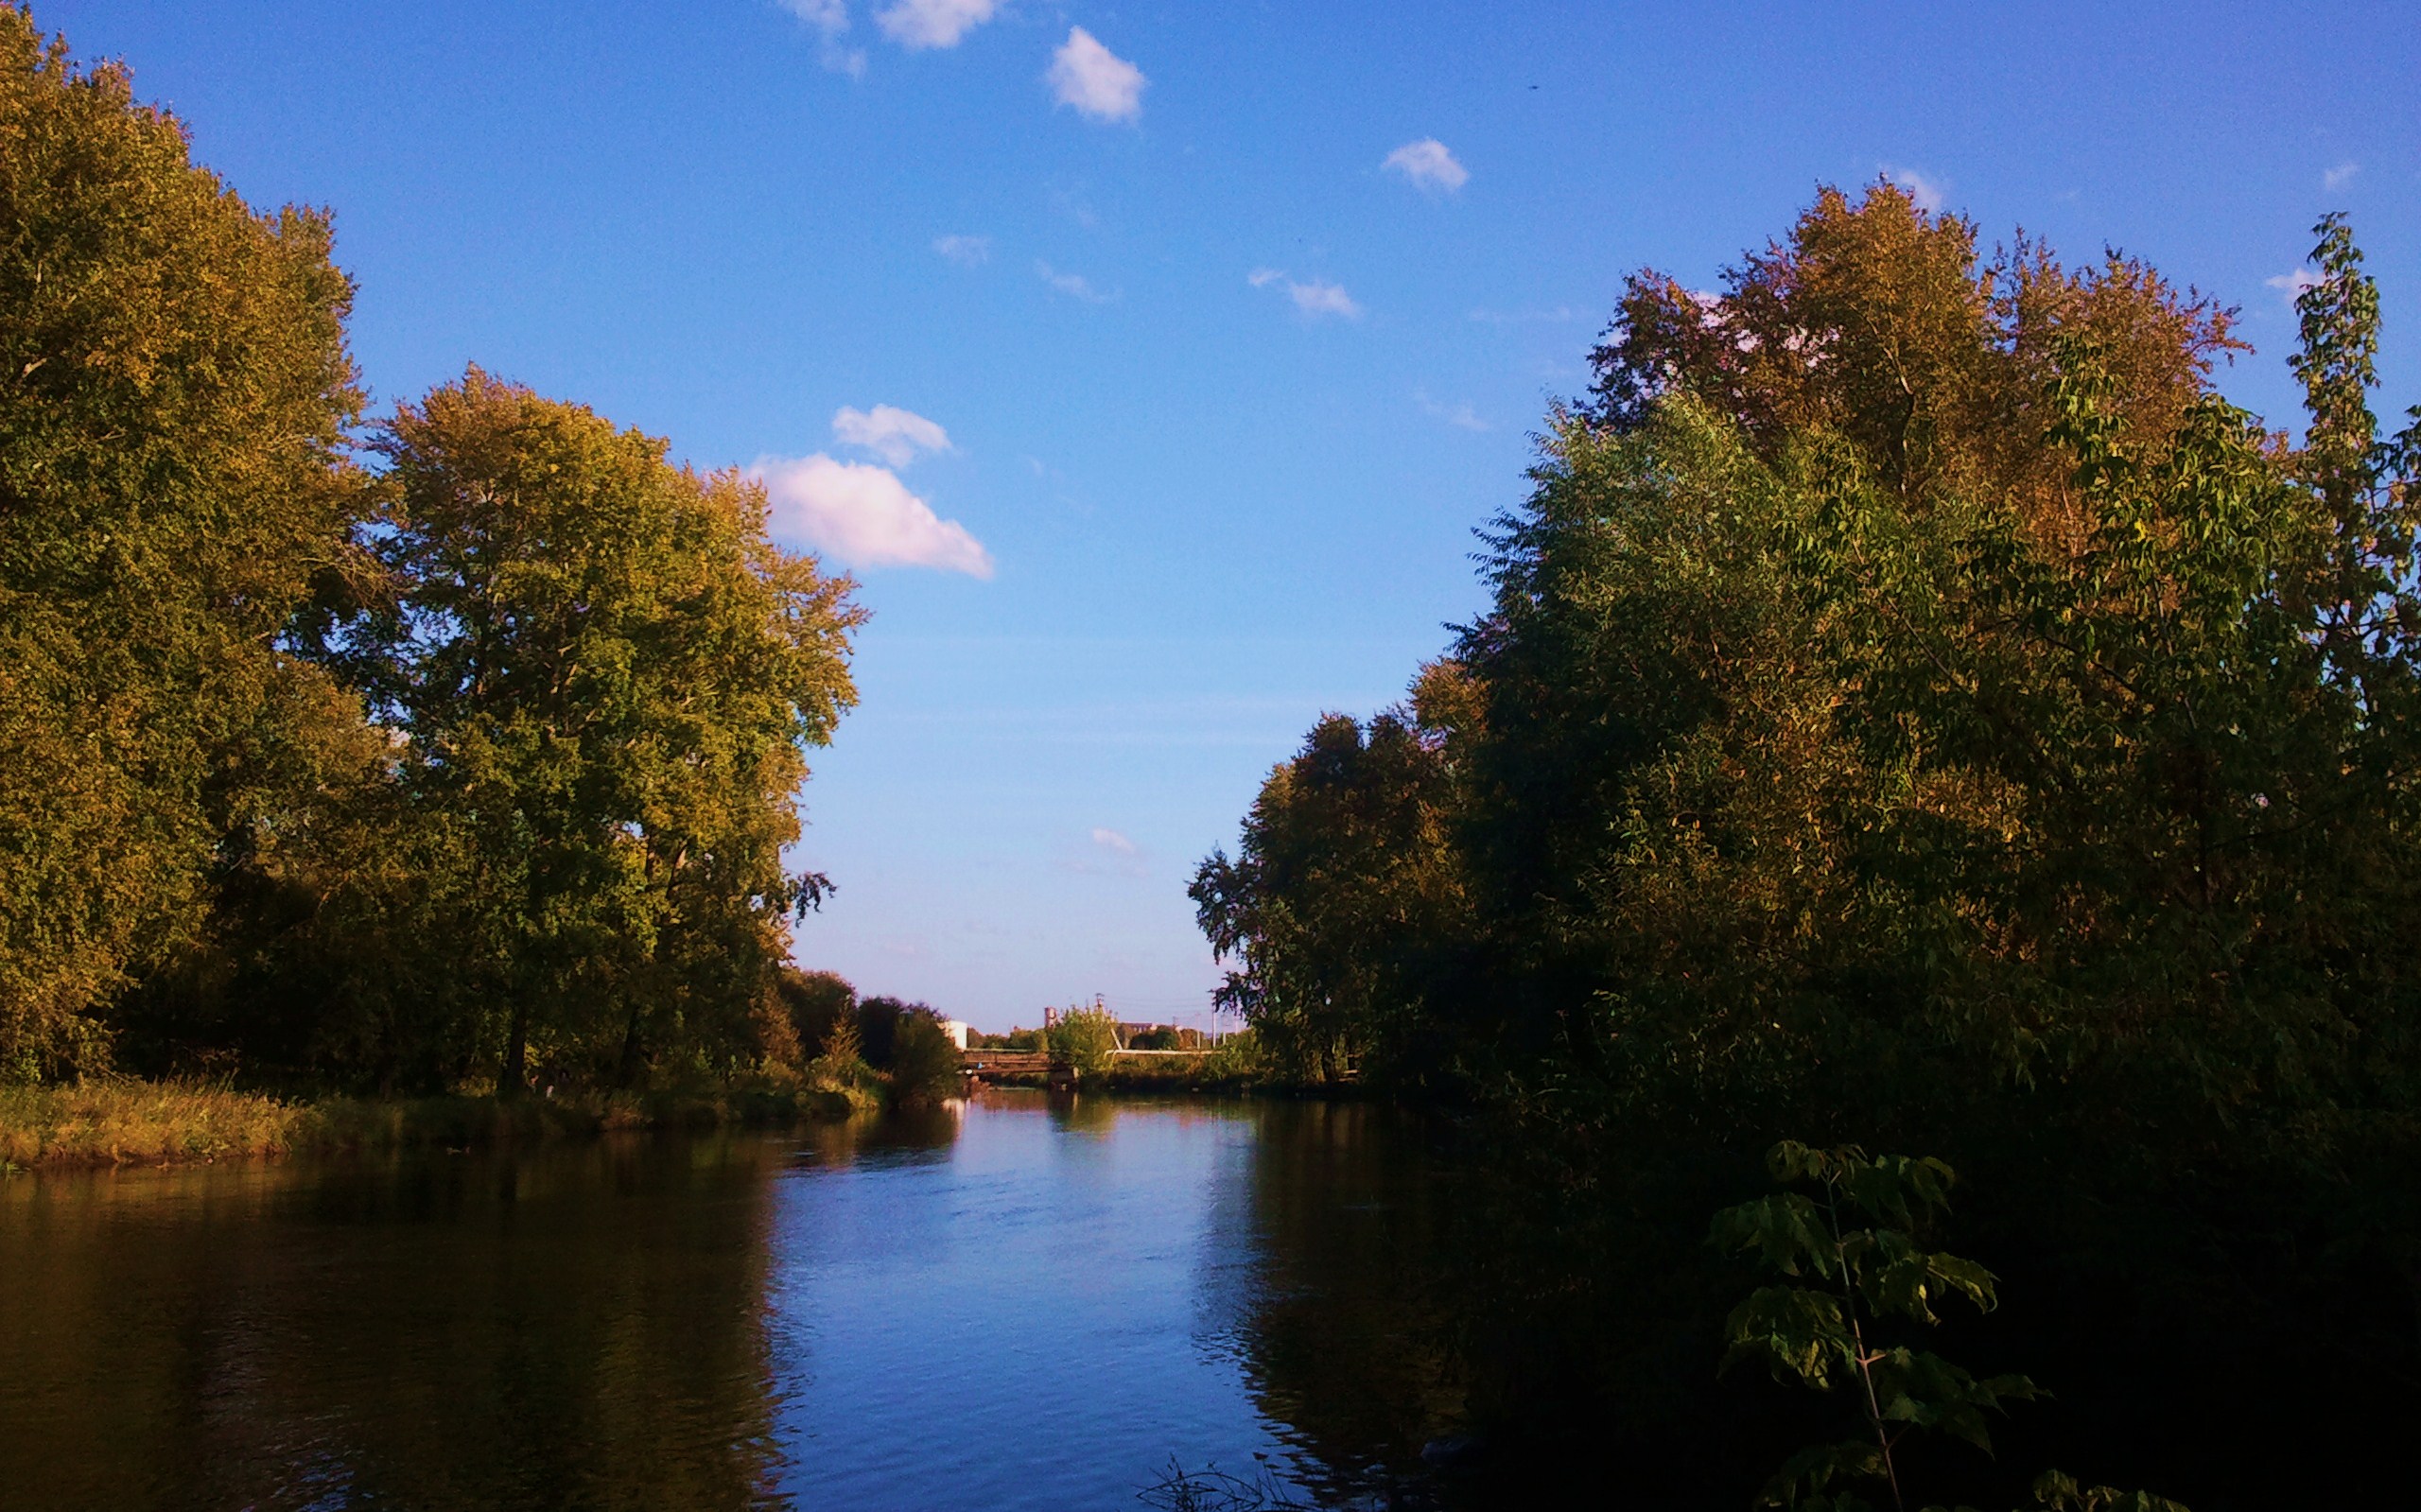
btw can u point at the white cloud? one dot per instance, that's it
(832, 18)
(966, 251)
(864, 515)
(1111, 840)
(1098, 82)
(1925, 192)
(1428, 164)
(1462, 416)
(2340, 176)
(916, 25)
(1315, 299)
(893, 434)
(2293, 282)
(1556, 315)
(1320, 298)
(1075, 284)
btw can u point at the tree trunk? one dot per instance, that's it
(513, 1080)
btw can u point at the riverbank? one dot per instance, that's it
(123, 1121)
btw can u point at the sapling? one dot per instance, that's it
(1851, 1262)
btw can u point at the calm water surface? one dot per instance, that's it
(1020, 1303)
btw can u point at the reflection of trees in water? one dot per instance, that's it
(1339, 1332)
(439, 1332)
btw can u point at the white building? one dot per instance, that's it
(956, 1029)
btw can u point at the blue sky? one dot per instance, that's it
(1192, 397)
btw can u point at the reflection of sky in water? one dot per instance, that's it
(1013, 1305)
(1037, 1314)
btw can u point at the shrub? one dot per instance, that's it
(924, 1062)
(1086, 1038)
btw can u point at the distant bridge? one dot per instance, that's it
(982, 1065)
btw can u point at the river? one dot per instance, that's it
(1017, 1302)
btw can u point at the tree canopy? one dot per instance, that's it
(407, 754)
(1909, 682)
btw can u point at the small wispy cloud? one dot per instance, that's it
(1322, 298)
(1315, 299)
(918, 24)
(893, 434)
(2292, 283)
(1071, 202)
(1927, 193)
(966, 251)
(864, 516)
(832, 18)
(1110, 840)
(1557, 316)
(1427, 164)
(1461, 416)
(2340, 176)
(1101, 85)
(1073, 285)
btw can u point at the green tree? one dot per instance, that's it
(173, 491)
(1087, 1040)
(924, 1062)
(818, 1003)
(1345, 895)
(606, 674)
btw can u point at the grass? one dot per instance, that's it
(120, 1121)
(110, 1122)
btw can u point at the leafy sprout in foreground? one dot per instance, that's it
(1851, 1264)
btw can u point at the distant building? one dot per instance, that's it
(956, 1029)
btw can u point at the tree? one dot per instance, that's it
(1345, 891)
(924, 1062)
(173, 493)
(1087, 1040)
(604, 673)
(818, 1003)
(1908, 689)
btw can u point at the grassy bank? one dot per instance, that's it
(125, 1122)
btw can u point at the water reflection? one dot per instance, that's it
(580, 1329)
(1030, 1302)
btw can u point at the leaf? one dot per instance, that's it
(1805, 1477)
(1791, 1328)
(1787, 1231)
(2056, 1492)
(1919, 1387)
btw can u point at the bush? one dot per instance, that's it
(924, 1062)
(1237, 1058)
(1086, 1038)
(815, 1000)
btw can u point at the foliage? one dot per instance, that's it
(606, 671)
(1345, 886)
(817, 1002)
(1899, 664)
(1915, 708)
(1238, 1057)
(1213, 1489)
(840, 1066)
(924, 1061)
(1086, 1038)
(173, 495)
(107, 1121)
(478, 766)
(1828, 1333)
(1825, 1323)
